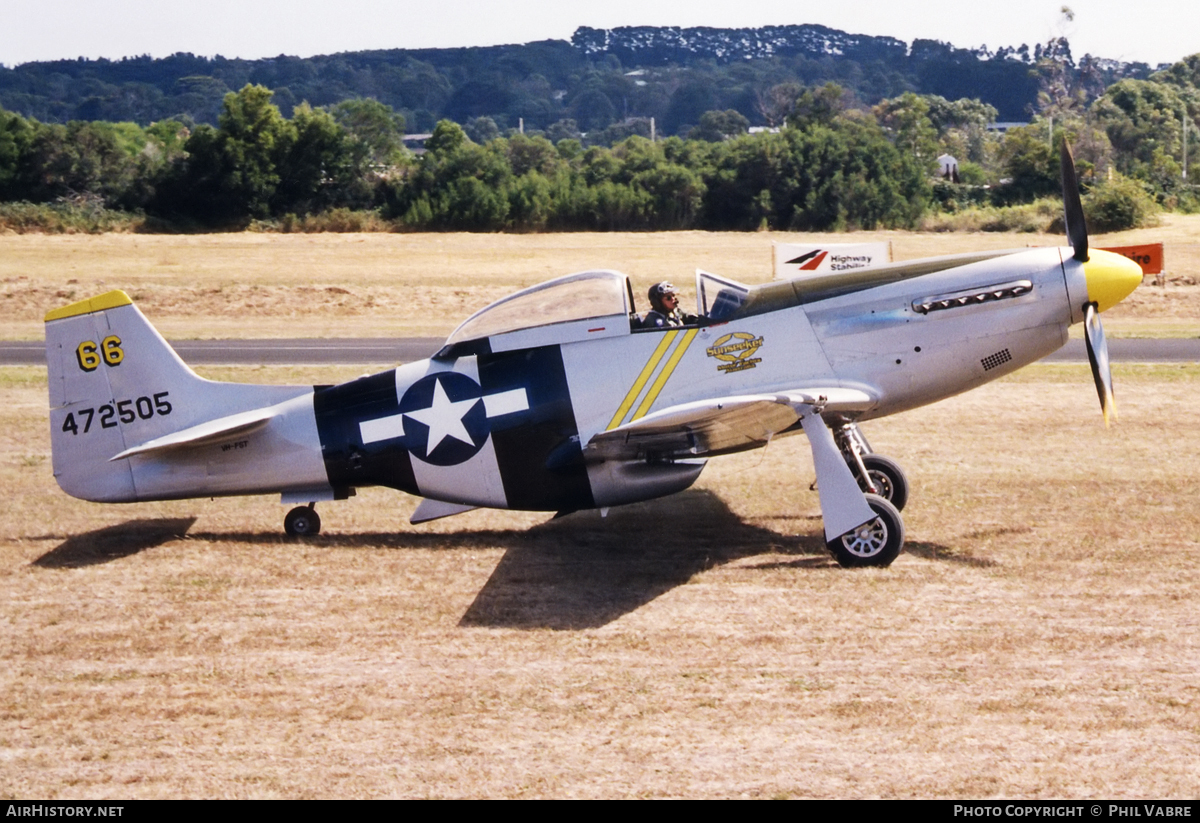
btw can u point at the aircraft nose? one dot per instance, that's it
(1110, 277)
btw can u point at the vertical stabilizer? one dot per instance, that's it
(116, 384)
(112, 378)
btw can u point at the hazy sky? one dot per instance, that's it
(1153, 31)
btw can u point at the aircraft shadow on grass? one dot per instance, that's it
(582, 571)
(576, 572)
(114, 542)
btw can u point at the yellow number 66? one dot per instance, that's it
(89, 357)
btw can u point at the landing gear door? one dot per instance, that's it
(718, 297)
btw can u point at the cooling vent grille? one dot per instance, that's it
(998, 359)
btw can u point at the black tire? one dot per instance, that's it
(302, 521)
(877, 543)
(888, 477)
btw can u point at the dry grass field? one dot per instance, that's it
(419, 285)
(1039, 637)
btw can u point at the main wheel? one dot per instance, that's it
(876, 543)
(888, 478)
(302, 521)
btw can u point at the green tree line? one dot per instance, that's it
(834, 163)
(831, 172)
(597, 79)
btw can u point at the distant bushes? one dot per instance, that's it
(334, 221)
(1038, 216)
(954, 197)
(1115, 205)
(65, 218)
(1120, 204)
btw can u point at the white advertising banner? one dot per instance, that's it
(794, 260)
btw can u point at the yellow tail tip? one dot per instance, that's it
(108, 300)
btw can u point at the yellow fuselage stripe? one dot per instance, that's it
(651, 365)
(664, 375)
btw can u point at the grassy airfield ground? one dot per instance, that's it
(1039, 637)
(418, 285)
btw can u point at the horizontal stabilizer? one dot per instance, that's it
(220, 429)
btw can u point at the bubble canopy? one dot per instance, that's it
(582, 296)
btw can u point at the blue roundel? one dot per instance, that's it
(445, 422)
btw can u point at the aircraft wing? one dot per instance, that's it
(720, 425)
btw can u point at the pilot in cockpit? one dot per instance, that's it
(664, 308)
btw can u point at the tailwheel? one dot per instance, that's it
(875, 543)
(887, 477)
(302, 521)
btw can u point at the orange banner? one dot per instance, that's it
(1149, 256)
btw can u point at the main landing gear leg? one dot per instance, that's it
(875, 473)
(860, 529)
(302, 521)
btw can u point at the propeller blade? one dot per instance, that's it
(1097, 349)
(1072, 207)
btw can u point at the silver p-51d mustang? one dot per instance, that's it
(554, 399)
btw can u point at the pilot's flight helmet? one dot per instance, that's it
(658, 291)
